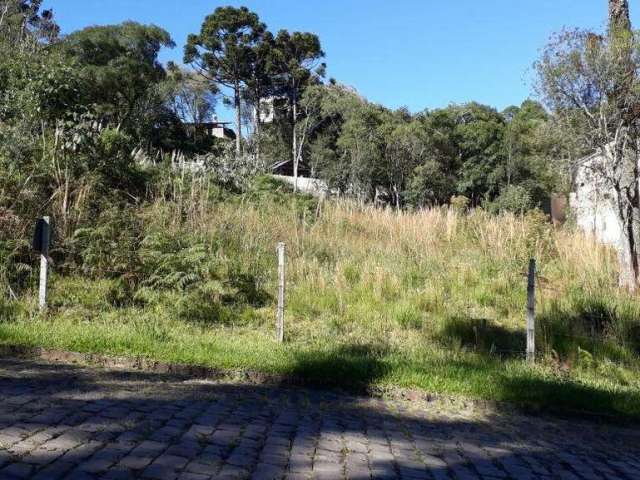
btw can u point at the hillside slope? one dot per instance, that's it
(432, 299)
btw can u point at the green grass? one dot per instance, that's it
(134, 333)
(432, 300)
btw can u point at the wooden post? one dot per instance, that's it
(281, 288)
(531, 312)
(44, 263)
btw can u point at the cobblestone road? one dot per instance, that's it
(59, 421)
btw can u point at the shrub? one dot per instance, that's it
(173, 261)
(16, 258)
(514, 199)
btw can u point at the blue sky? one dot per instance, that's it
(414, 53)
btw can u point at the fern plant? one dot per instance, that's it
(170, 262)
(110, 247)
(180, 264)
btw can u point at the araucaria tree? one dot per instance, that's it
(592, 84)
(224, 51)
(259, 85)
(296, 64)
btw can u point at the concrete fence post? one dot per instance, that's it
(281, 291)
(531, 312)
(44, 263)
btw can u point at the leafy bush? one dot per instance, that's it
(265, 189)
(171, 261)
(514, 199)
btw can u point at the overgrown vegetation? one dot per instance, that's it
(431, 299)
(164, 237)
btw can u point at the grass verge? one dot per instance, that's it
(438, 371)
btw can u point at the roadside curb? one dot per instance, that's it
(199, 372)
(142, 364)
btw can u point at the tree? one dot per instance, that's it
(479, 134)
(224, 51)
(259, 85)
(434, 180)
(325, 109)
(192, 99)
(24, 24)
(120, 66)
(530, 144)
(39, 88)
(520, 121)
(297, 64)
(405, 147)
(619, 18)
(590, 82)
(25, 30)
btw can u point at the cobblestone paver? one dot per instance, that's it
(67, 422)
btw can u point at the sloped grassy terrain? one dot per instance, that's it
(431, 299)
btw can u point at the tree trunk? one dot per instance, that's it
(627, 193)
(236, 100)
(619, 18)
(396, 197)
(294, 108)
(626, 159)
(257, 132)
(628, 252)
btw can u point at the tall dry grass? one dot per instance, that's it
(441, 277)
(432, 298)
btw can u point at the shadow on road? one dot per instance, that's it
(61, 421)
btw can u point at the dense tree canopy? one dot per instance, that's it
(426, 158)
(119, 65)
(24, 24)
(78, 112)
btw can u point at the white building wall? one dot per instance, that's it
(593, 203)
(267, 111)
(312, 186)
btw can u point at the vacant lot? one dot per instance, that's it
(431, 299)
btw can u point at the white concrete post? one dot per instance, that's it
(44, 263)
(281, 289)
